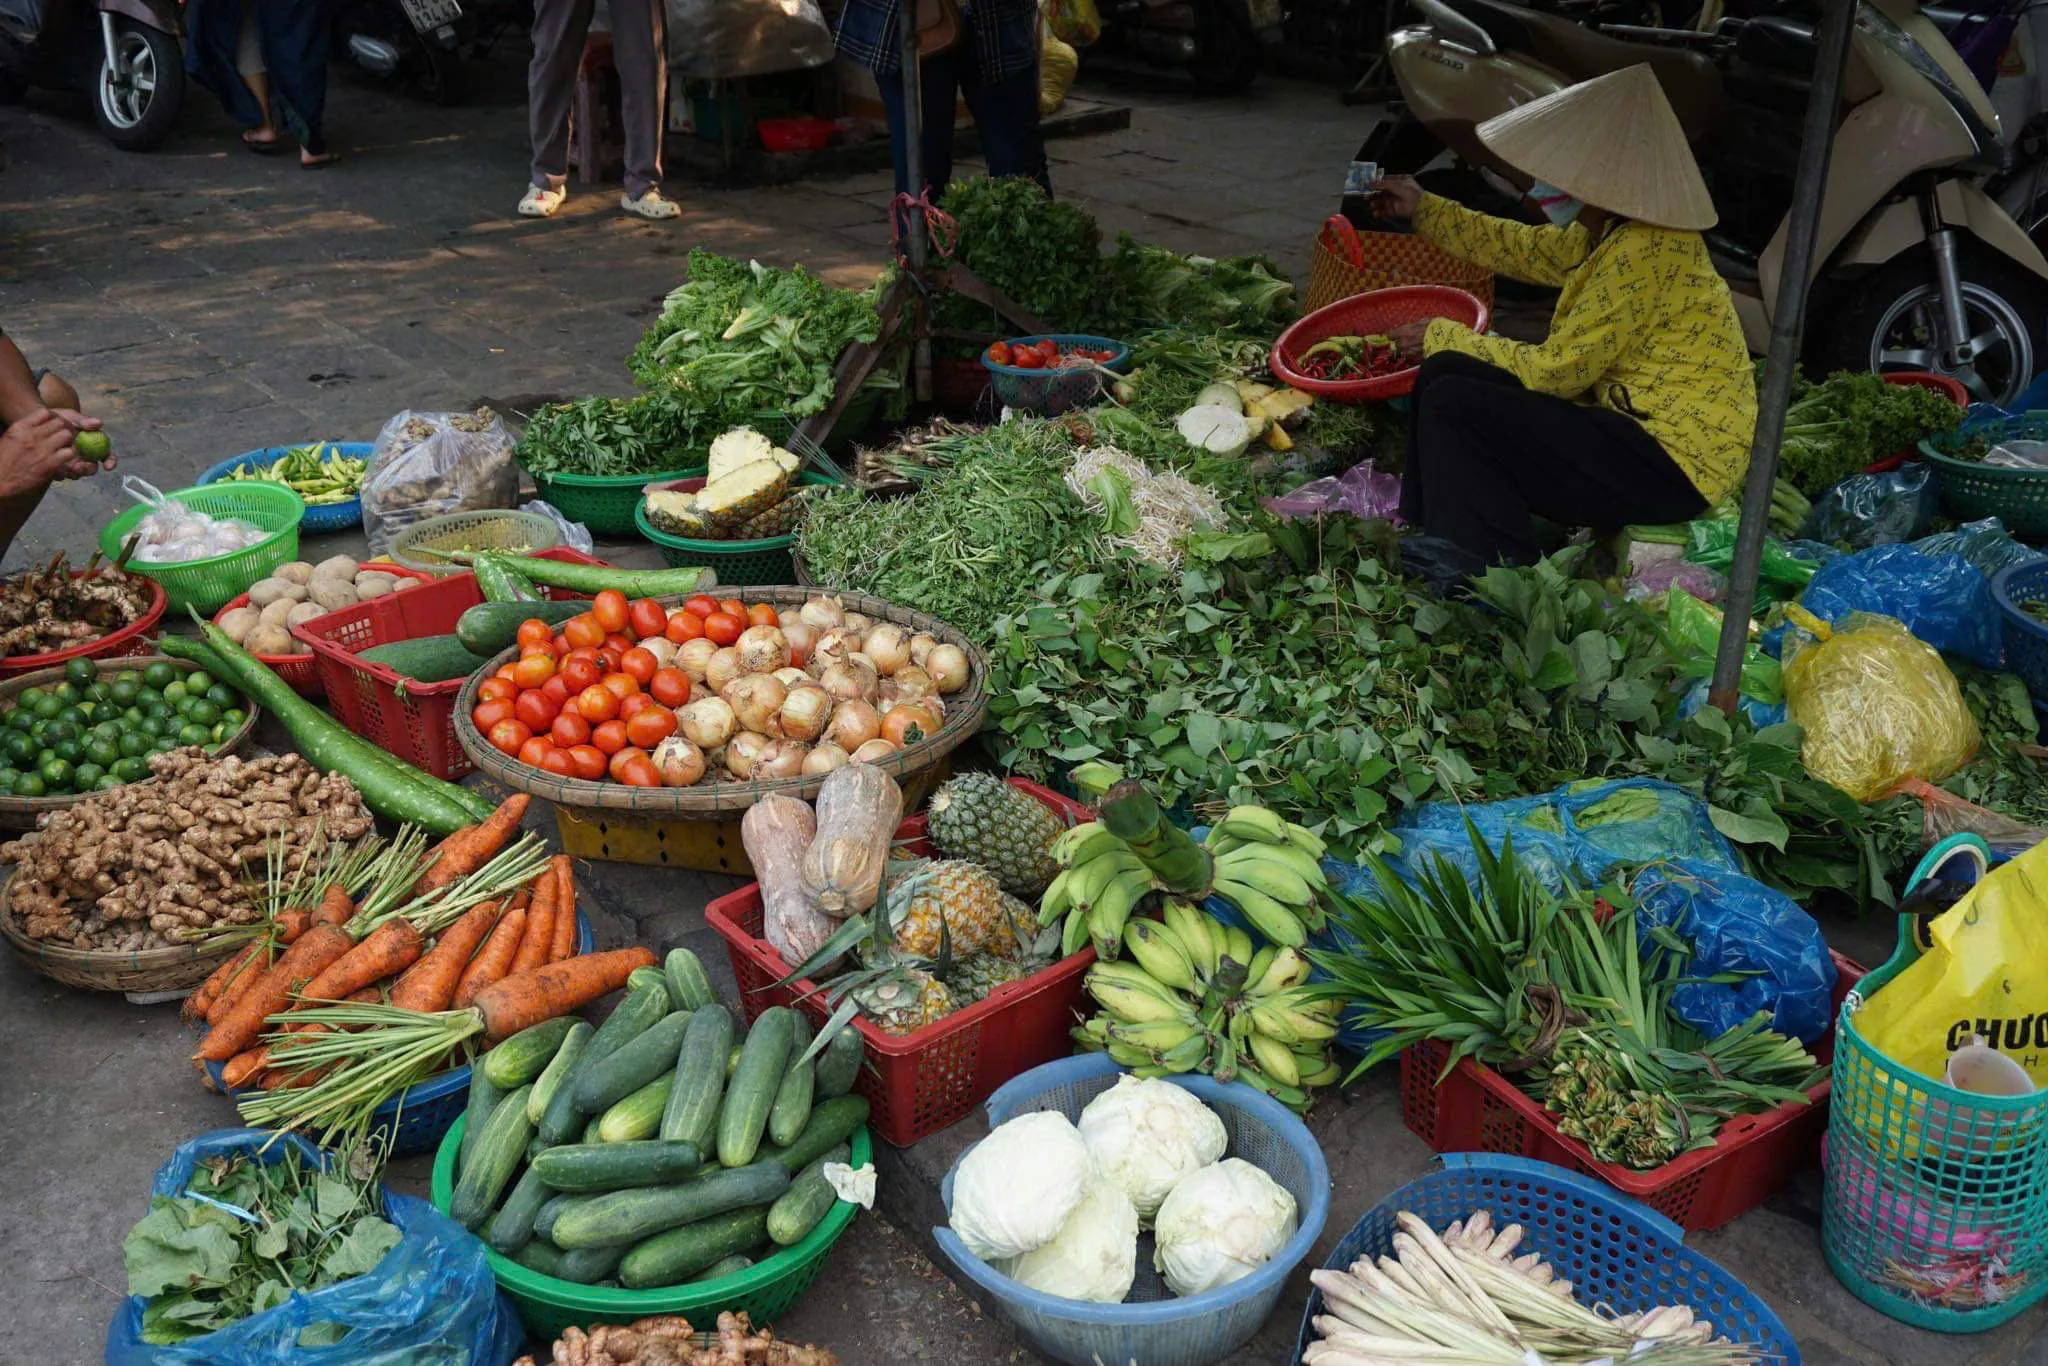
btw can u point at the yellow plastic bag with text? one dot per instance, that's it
(1877, 703)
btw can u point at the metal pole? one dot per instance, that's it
(1809, 188)
(916, 229)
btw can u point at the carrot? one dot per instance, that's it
(201, 1001)
(494, 959)
(284, 1073)
(539, 944)
(389, 949)
(467, 850)
(554, 989)
(430, 983)
(292, 922)
(565, 908)
(335, 906)
(301, 963)
(238, 1070)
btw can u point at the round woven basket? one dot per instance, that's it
(508, 529)
(730, 800)
(22, 813)
(177, 968)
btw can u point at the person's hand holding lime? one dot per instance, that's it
(93, 447)
(92, 451)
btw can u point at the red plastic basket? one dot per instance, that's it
(300, 670)
(138, 637)
(414, 721)
(1365, 315)
(917, 1084)
(1951, 389)
(1476, 1109)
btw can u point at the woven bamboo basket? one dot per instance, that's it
(22, 813)
(583, 804)
(178, 968)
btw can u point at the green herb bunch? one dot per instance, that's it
(1044, 253)
(1849, 420)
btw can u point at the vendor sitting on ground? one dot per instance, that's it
(39, 421)
(1640, 405)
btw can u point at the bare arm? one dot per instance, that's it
(18, 396)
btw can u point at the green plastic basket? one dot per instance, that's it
(206, 585)
(739, 563)
(764, 1292)
(1929, 1186)
(603, 502)
(1971, 490)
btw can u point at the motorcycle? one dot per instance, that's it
(415, 44)
(1216, 42)
(1916, 266)
(126, 55)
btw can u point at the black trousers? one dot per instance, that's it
(1485, 455)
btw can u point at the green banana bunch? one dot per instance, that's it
(1271, 870)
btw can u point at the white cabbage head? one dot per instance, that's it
(1094, 1256)
(1220, 1224)
(1016, 1188)
(1146, 1134)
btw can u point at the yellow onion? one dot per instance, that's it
(947, 665)
(698, 692)
(824, 758)
(848, 682)
(755, 699)
(920, 646)
(763, 649)
(912, 683)
(822, 614)
(874, 751)
(693, 657)
(707, 724)
(888, 645)
(662, 648)
(782, 759)
(860, 623)
(907, 724)
(853, 724)
(793, 677)
(744, 751)
(722, 668)
(806, 711)
(679, 762)
(832, 647)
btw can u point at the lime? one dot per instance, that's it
(198, 681)
(28, 697)
(81, 673)
(48, 706)
(106, 781)
(67, 692)
(174, 693)
(129, 676)
(124, 692)
(60, 730)
(56, 774)
(93, 447)
(160, 675)
(234, 716)
(222, 696)
(85, 775)
(107, 730)
(102, 751)
(132, 769)
(70, 751)
(133, 743)
(30, 785)
(21, 719)
(192, 733)
(165, 744)
(200, 710)
(152, 726)
(18, 747)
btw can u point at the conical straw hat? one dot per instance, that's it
(1612, 142)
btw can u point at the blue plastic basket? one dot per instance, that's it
(1049, 392)
(1152, 1326)
(318, 521)
(1615, 1252)
(2026, 640)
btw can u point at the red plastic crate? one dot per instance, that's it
(302, 672)
(1476, 1109)
(917, 1084)
(414, 721)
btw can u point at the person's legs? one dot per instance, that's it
(640, 56)
(1434, 369)
(295, 44)
(249, 65)
(559, 30)
(939, 78)
(1006, 115)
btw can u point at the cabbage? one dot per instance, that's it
(1220, 1224)
(1016, 1188)
(1146, 1134)
(1094, 1256)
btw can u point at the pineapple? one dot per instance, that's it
(976, 975)
(744, 493)
(904, 999)
(952, 906)
(743, 446)
(779, 520)
(981, 818)
(675, 512)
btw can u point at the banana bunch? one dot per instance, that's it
(1101, 881)
(1195, 996)
(1271, 870)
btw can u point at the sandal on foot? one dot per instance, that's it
(650, 205)
(541, 202)
(313, 161)
(269, 146)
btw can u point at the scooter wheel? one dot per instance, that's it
(136, 95)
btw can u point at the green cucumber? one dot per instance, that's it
(632, 1064)
(592, 1130)
(832, 1123)
(544, 1218)
(686, 979)
(558, 1067)
(483, 1098)
(497, 1156)
(764, 1057)
(636, 1116)
(634, 1016)
(692, 1109)
(623, 1217)
(512, 1226)
(643, 977)
(586, 1267)
(526, 1054)
(792, 1107)
(617, 1166)
(490, 627)
(675, 1256)
(730, 1266)
(804, 1205)
(839, 1063)
(426, 659)
(732, 1062)
(499, 584)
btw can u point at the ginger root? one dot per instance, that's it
(669, 1340)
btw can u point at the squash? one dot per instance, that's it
(777, 832)
(859, 808)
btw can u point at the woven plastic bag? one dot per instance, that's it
(1736, 925)
(432, 1298)
(1877, 704)
(431, 464)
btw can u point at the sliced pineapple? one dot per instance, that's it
(736, 449)
(740, 494)
(676, 512)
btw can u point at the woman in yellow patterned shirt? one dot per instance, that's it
(1640, 404)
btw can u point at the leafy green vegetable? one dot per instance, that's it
(608, 436)
(1045, 254)
(1835, 428)
(1152, 286)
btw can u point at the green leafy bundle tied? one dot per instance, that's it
(1835, 428)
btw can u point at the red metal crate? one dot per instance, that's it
(302, 672)
(1476, 1109)
(917, 1084)
(414, 721)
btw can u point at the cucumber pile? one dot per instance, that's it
(666, 1145)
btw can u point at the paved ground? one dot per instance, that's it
(208, 302)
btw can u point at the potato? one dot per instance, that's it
(337, 567)
(277, 613)
(333, 594)
(303, 611)
(298, 571)
(374, 585)
(239, 623)
(269, 639)
(266, 591)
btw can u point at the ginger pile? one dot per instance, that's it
(668, 1340)
(46, 609)
(148, 865)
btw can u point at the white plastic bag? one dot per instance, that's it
(173, 533)
(575, 535)
(431, 464)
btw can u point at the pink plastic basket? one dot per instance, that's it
(1366, 315)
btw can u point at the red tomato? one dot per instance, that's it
(999, 353)
(650, 725)
(583, 631)
(647, 617)
(629, 707)
(535, 632)
(622, 685)
(609, 607)
(569, 729)
(508, 735)
(580, 672)
(496, 689)
(616, 645)
(503, 671)
(491, 713)
(561, 645)
(733, 607)
(639, 664)
(637, 770)
(558, 762)
(763, 614)
(533, 670)
(536, 709)
(701, 605)
(684, 626)
(555, 690)
(671, 687)
(532, 751)
(723, 628)
(588, 761)
(607, 659)
(1025, 358)
(597, 703)
(610, 737)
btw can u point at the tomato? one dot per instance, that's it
(533, 670)
(582, 631)
(558, 762)
(684, 626)
(1024, 358)
(637, 770)
(609, 607)
(556, 691)
(597, 703)
(647, 617)
(671, 687)
(624, 759)
(496, 689)
(701, 605)
(607, 659)
(580, 672)
(533, 631)
(503, 671)
(763, 614)
(999, 353)
(535, 747)
(536, 709)
(639, 664)
(616, 645)
(622, 685)
(491, 713)
(733, 607)
(629, 707)
(588, 761)
(561, 645)
(508, 735)
(722, 628)
(610, 737)
(569, 729)
(650, 725)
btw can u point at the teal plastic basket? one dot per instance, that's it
(1972, 490)
(206, 585)
(739, 564)
(1935, 1209)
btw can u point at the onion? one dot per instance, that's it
(912, 683)
(848, 682)
(874, 751)
(755, 699)
(662, 648)
(744, 751)
(806, 711)
(793, 677)
(680, 763)
(763, 649)
(823, 759)
(860, 623)
(782, 759)
(694, 656)
(823, 614)
(905, 724)
(947, 664)
(707, 724)
(801, 636)
(722, 668)
(853, 724)
(889, 646)
(860, 659)
(920, 646)
(831, 647)
(698, 692)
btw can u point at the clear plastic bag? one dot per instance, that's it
(1943, 813)
(575, 535)
(1652, 575)
(1875, 509)
(173, 533)
(2018, 455)
(1877, 704)
(1360, 491)
(1941, 598)
(723, 39)
(431, 464)
(432, 1298)
(1986, 544)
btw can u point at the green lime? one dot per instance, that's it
(129, 676)
(174, 693)
(30, 785)
(60, 730)
(133, 769)
(81, 673)
(124, 693)
(28, 697)
(132, 717)
(102, 751)
(222, 696)
(165, 744)
(21, 719)
(134, 742)
(85, 775)
(18, 747)
(152, 726)
(192, 733)
(67, 693)
(234, 716)
(161, 675)
(107, 730)
(154, 705)
(48, 705)
(92, 447)
(200, 710)
(56, 774)
(72, 716)
(199, 680)
(70, 751)
(107, 780)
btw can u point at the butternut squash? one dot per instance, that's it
(777, 832)
(859, 808)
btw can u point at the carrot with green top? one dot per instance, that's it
(494, 959)
(539, 944)
(467, 850)
(200, 1003)
(314, 951)
(565, 908)
(336, 906)
(430, 983)
(386, 951)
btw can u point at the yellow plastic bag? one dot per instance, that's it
(1876, 702)
(1075, 22)
(1057, 66)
